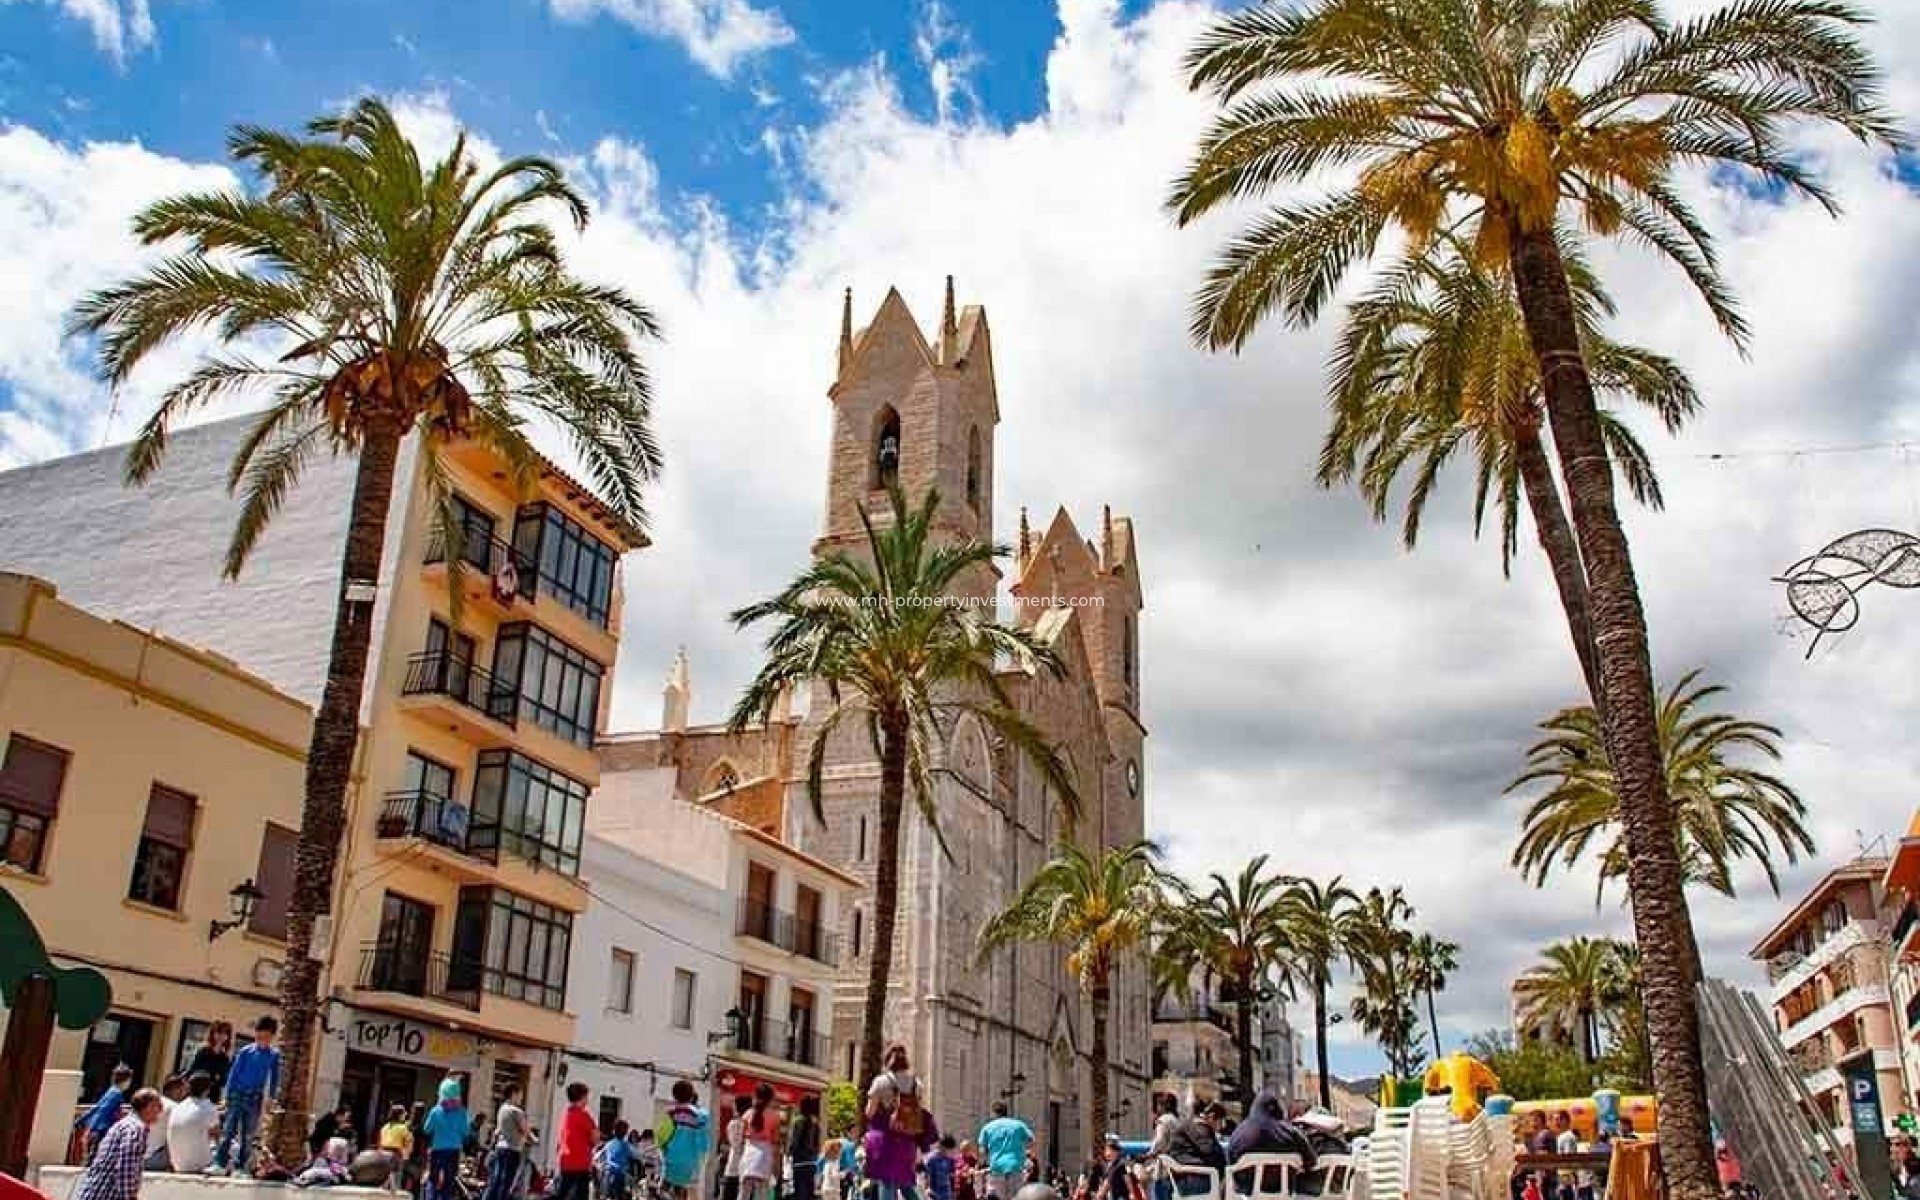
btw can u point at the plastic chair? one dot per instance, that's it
(1260, 1169)
(1172, 1171)
(1339, 1181)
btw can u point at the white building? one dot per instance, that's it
(712, 954)
(1282, 1052)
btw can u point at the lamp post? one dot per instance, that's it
(244, 897)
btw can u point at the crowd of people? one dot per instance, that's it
(207, 1120)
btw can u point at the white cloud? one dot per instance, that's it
(718, 34)
(946, 52)
(120, 27)
(1313, 691)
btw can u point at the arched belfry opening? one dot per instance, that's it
(973, 468)
(886, 448)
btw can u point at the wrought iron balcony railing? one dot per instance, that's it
(436, 819)
(442, 673)
(407, 970)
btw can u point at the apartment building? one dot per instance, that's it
(747, 1004)
(1901, 915)
(1827, 967)
(450, 944)
(149, 794)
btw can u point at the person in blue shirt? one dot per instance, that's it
(253, 1080)
(447, 1127)
(686, 1135)
(619, 1162)
(940, 1167)
(1004, 1141)
(105, 1112)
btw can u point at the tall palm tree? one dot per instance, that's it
(1570, 988)
(1434, 360)
(1381, 950)
(396, 298)
(1235, 930)
(1727, 811)
(879, 632)
(1494, 121)
(1429, 961)
(1097, 909)
(1320, 922)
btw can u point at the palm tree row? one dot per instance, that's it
(1495, 135)
(1575, 987)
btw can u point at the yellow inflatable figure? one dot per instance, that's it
(1467, 1078)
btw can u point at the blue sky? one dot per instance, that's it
(528, 71)
(1312, 690)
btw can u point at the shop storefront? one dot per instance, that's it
(731, 1081)
(375, 1060)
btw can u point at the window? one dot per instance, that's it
(193, 1035)
(850, 1068)
(1128, 665)
(160, 860)
(428, 778)
(860, 850)
(527, 944)
(527, 809)
(973, 468)
(859, 931)
(30, 782)
(476, 533)
(620, 983)
(573, 566)
(609, 1113)
(274, 878)
(685, 985)
(558, 687)
(886, 449)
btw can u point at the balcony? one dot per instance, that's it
(1173, 1010)
(434, 819)
(404, 971)
(796, 1044)
(1840, 1007)
(1787, 973)
(472, 702)
(764, 923)
(1903, 927)
(494, 573)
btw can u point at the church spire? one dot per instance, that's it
(846, 331)
(949, 330)
(677, 697)
(1026, 539)
(1106, 536)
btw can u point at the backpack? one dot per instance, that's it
(908, 1117)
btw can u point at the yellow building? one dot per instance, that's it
(452, 926)
(142, 781)
(456, 911)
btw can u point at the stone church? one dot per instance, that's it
(925, 410)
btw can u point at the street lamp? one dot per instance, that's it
(1015, 1086)
(735, 1019)
(243, 898)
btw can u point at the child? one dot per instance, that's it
(105, 1113)
(618, 1163)
(253, 1080)
(940, 1170)
(447, 1127)
(396, 1142)
(329, 1167)
(687, 1133)
(577, 1131)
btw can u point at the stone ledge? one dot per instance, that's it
(60, 1183)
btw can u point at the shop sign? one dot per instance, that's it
(397, 1037)
(729, 1082)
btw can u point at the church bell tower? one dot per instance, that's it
(914, 411)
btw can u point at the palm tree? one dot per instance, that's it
(1429, 961)
(1235, 931)
(398, 298)
(1381, 950)
(1492, 122)
(1434, 359)
(1320, 921)
(894, 654)
(1097, 909)
(1727, 811)
(1573, 984)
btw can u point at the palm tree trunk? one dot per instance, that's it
(1654, 878)
(886, 894)
(323, 813)
(1320, 1041)
(1101, 995)
(1243, 1040)
(1433, 1023)
(1562, 551)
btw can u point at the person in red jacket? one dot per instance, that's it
(577, 1131)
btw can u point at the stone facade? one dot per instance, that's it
(1015, 1025)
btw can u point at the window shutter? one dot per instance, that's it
(169, 817)
(31, 778)
(275, 878)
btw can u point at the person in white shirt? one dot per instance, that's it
(170, 1093)
(190, 1128)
